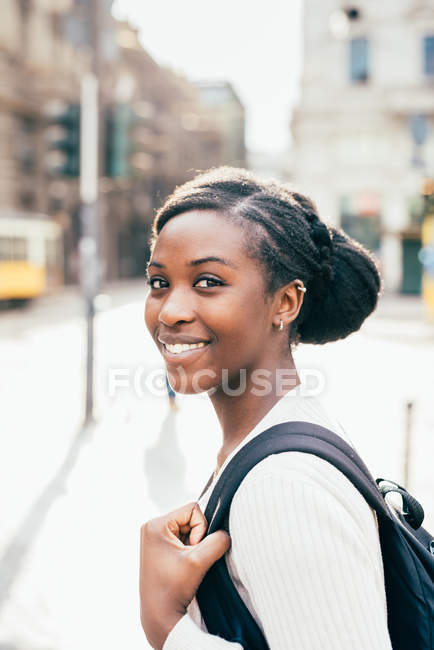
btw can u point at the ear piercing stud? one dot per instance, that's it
(300, 287)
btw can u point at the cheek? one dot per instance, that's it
(151, 314)
(242, 333)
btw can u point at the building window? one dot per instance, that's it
(24, 6)
(360, 218)
(27, 200)
(359, 64)
(428, 58)
(352, 13)
(26, 144)
(13, 249)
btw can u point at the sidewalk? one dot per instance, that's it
(401, 318)
(400, 307)
(78, 585)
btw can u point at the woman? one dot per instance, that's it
(240, 271)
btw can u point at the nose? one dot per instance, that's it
(176, 309)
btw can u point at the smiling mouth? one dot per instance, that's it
(182, 348)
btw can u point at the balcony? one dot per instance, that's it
(411, 100)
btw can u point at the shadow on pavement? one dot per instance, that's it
(165, 469)
(16, 552)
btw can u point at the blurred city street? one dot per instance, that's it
(105, 109)
(74, 500)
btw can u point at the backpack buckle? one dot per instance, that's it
(411, 508)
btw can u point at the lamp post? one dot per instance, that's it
(89, 174)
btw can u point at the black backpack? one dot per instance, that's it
(407, 549)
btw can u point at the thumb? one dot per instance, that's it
(211, 549)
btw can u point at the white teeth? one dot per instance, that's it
(183, 347)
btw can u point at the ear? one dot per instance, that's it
(289, 300)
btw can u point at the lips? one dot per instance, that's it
(178, 348)
(180, 339)
(181, 348)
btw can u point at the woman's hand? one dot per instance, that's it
(173, 561)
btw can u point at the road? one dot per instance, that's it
(74, 501)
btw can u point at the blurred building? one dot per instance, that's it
(37, 65)
(155, 128)
(363, 129)
(221, 101)
(269, 164)
(168, 137)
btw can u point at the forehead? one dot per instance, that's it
(199, 233)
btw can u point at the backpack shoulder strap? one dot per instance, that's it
(408, 565)
(292, 436)
(221, 606)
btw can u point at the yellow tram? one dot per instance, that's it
(30, 255)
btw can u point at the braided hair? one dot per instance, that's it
(286, 235)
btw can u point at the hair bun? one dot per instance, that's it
(321, 234)
(347, 294)
(323, 238)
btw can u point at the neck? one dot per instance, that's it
(240, 407)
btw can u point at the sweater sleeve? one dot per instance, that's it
(305, 558)
(186, 635)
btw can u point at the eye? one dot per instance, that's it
(208, 283)
(157, 283)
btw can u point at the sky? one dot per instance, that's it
(255, 45)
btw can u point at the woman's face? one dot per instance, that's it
(207, 309)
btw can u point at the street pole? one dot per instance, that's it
(88, 246)
(89, 174)
(408, 443)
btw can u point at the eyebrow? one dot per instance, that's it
(198, 262)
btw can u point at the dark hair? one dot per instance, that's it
(286, 235)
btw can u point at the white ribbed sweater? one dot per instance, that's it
(305, 554)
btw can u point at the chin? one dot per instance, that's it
(195, 384)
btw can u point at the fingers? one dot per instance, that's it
(198, 525)
(187, 521)
(211, 549)
(183, 514)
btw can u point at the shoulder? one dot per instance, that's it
(305, 555)
(297, 487)
(299, 468)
